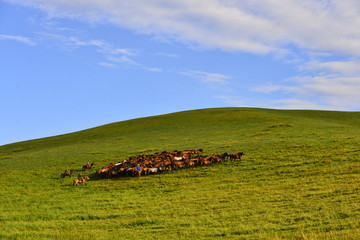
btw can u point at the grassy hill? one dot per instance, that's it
(299, 179)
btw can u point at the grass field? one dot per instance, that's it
(299, 179)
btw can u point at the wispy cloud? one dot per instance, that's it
(350, 67)
(170, 55)
(205, 77)
(292, 103)
(257, 26)
(324, 92)
(113, 56)
(102, 46)
(121, 60)
(234, 101)
(21, 39)
(153, 69)
(106, 64)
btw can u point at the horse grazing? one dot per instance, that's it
(67, 173)
(77, 181)
(87, 166)
(234, 156)
(239, 155)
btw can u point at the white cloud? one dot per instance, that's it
(258, 26)
(351, 67)
(329, 92)
(292, 103)
(169, 55)
(102, 46)
(113, 55)
(234, 101)
(279, 27)
(273, 88)
(123, 51)
(339, 87)
(205, 77)
(106, 64)
(153, 69)
(21, 39)
(122, 59)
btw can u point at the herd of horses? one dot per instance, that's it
(159, 162)
(163, 162)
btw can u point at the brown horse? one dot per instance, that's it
(87, 166)
(234, 156)
(77, 181)
(67, 173)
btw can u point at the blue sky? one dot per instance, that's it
(66, 66)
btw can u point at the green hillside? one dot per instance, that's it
(299, 179)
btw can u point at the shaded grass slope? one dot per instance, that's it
(299, 179)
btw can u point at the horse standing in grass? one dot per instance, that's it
(88, 166)
(234, 156)
(77, 181)
(67, 173)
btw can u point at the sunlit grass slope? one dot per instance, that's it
(299, 179)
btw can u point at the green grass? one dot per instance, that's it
(299, 179)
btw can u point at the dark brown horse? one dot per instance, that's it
(87, 166)
(133, 172)
(234, 156)
(67, 173)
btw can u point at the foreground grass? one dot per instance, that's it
(299, 179)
